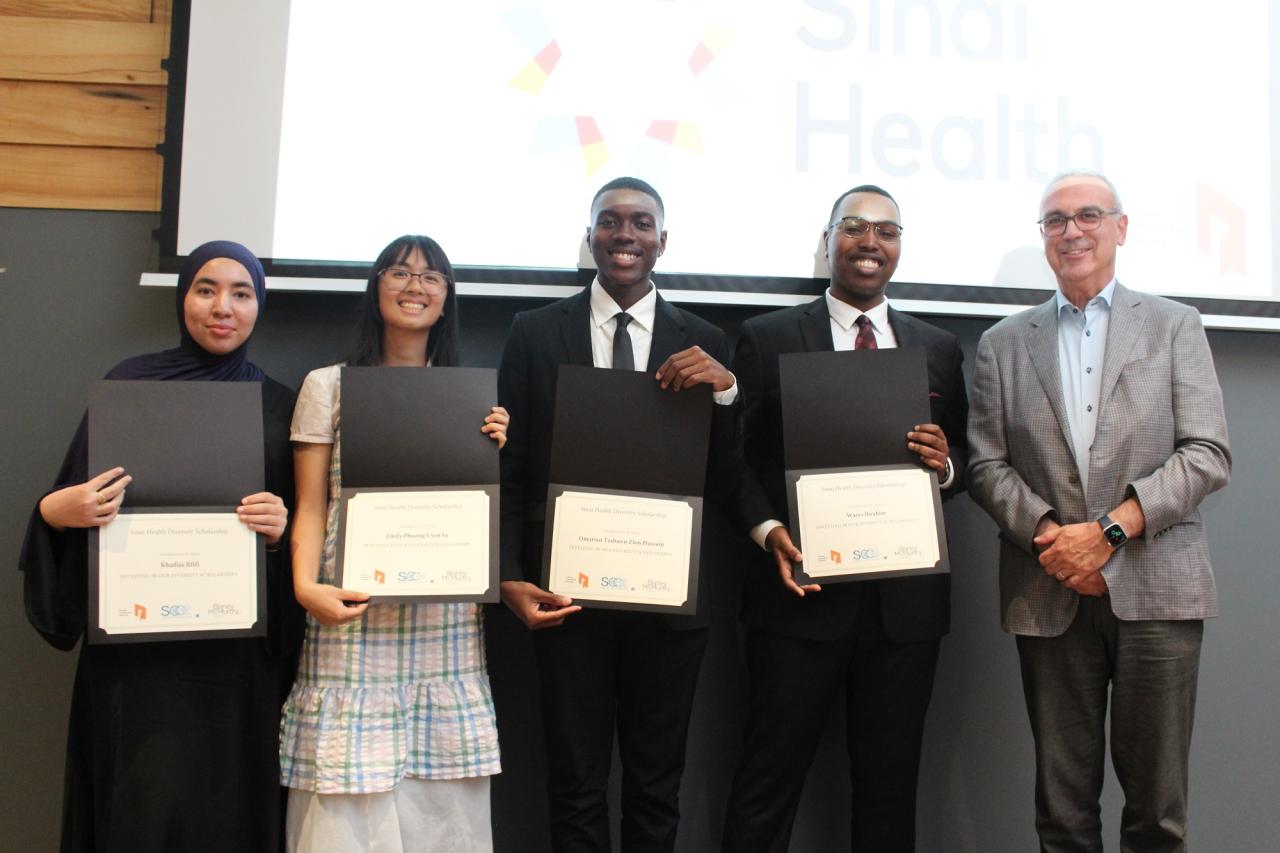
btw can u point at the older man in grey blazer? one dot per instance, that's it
(1096, 430)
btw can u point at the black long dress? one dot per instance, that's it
(173, 746)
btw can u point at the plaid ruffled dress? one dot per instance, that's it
(402, 692)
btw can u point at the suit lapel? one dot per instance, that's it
(668, 334)
(904, 330)
(1042, 346)
(815, 327)
(575, 329)
(1123, 330)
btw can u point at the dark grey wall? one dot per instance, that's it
(70, 307)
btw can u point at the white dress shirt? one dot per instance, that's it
(604, 320)
(844, 324)
(1082, 344)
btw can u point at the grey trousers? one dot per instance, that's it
(1151, 668)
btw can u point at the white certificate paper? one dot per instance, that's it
(859, 522)
(416, 543)
(621, 548)
(161, 572)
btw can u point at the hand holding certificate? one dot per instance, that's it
(863, 507)
(628, 462)
(178, 562)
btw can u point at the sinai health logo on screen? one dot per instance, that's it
(946, 88)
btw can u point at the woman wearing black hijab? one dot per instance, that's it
(173, 744)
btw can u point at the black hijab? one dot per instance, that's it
(188, 360)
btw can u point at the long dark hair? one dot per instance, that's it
(442, 342)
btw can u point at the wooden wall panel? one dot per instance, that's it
(82, 102)
(79, 178)
(38, 113)
(82, 51)
(85, 10)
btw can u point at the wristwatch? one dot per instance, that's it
(1112, 532)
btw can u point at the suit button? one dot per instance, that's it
(1073, 480)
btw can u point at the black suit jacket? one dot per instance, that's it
(914, 608)
(560, 333)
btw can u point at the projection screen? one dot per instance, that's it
(315, 131)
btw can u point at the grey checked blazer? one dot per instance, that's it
(1161, 437)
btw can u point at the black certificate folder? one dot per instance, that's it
(407, 427)
(847, 412)
(184, 443)
(417, 431)
(192, 448)
(620, 436)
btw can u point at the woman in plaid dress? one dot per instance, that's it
(388, 737)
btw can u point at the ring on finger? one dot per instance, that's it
(101, 497)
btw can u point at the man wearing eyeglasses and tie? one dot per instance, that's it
(1097, 430)
(877, 640)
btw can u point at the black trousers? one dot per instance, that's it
(794, 682)
(607, 668)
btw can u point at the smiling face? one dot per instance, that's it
(862, 266)
(626, 239)
(221, 306)
(1083, 261)
(413, 308)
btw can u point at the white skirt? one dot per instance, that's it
(417, 816)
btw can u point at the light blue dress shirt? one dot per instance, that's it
(1082, 344)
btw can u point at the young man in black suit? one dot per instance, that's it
(601, 668)
(877, 640)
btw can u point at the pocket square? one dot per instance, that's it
(933, 394)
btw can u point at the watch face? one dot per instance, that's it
(1115, 535)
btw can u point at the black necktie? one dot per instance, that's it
(623, 357)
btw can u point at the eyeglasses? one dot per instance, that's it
(856, 226)
(1055, 224)
(398, 278)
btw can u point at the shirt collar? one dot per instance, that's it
(845, 315)
(1104, 297)
(603, 308)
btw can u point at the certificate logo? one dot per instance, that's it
(856, 555)
(140, 612)
(379, 576)
(174, 611)
(583, 580)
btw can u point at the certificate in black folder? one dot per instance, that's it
(419, 503)
(624, 498)
(862, 505)
(176, 563)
